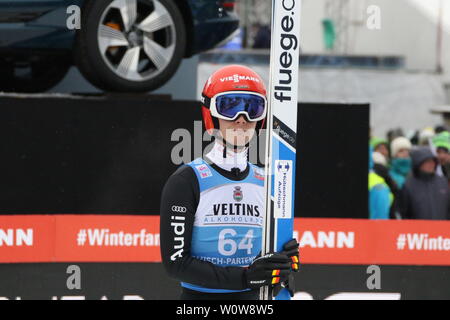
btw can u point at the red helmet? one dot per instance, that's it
(232, 91)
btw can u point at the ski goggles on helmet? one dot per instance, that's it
(230, 105)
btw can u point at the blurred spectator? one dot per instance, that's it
(400, 168)
(439, 129)
(394, 133)
(441, 143)
(380, 197)
(381, 146)
(425, 195)
(425, 136)
(414, 137)
(262, 37)
(401, 161)
(378, 158)
(380, 167)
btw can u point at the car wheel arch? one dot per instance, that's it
(185, 10)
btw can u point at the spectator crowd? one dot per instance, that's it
(409, 178)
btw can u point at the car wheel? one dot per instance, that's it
(38, 75)
(130, 45)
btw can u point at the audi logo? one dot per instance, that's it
(179, 209)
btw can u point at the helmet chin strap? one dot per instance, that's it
(226, 145)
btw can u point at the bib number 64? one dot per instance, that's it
(228, 247)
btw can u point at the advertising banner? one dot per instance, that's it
(120, 238)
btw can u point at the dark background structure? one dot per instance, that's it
(112, 154)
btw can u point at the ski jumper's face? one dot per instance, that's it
(237, 132)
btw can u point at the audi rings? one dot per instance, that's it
(179, 209)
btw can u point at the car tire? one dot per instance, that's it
(123, 52)
(39, 75)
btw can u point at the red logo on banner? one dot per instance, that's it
(345, 241)
(27, 238)
(107, 238)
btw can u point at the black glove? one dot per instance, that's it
(290, 249)
(289, 285)
(270, 269)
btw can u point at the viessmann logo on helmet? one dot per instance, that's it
(238, 77)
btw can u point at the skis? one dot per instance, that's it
(281, 131)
